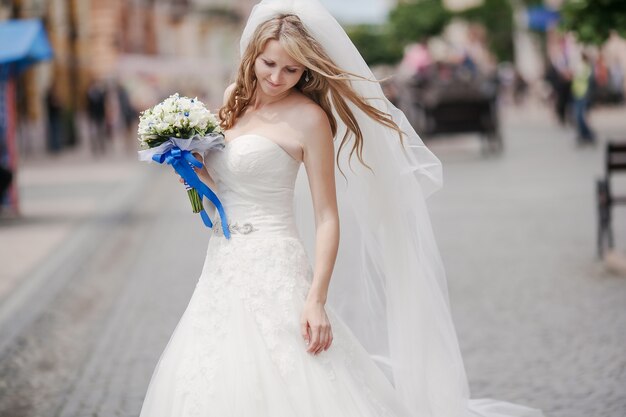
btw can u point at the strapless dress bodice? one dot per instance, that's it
(255, 179)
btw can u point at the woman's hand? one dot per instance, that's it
(201, 172)
(315, 327)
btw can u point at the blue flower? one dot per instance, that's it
(186, 114)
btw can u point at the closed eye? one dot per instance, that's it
(272, 64)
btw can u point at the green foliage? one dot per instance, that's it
(414, 21)
(497, 17)
(593, 20)
(408, 22)
(375, 44)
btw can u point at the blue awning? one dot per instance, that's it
(542, 18)
(23, 43)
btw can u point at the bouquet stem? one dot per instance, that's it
(194, 198)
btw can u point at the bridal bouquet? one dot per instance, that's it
(170, 131)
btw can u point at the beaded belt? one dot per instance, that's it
(235, 229)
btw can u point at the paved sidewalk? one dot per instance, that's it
(66, 201)
(57, 195)
(540, 320)
(91, 348)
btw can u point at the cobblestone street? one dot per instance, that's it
(540, 321)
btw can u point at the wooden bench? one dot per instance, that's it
(615, 161)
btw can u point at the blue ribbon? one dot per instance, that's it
(182, 161)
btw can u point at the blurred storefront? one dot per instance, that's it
(111, 59)
(23, 43)
(126, 53)
(189, 46)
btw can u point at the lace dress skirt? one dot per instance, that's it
(237, 351)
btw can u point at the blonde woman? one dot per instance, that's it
(265, 333)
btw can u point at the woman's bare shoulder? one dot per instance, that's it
(310, 114)
(310, 119)
(229, 90)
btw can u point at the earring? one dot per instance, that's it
(306, 76)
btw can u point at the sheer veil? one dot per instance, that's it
(389, 283)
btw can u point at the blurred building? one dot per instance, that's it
(151, 48)
(31, 48)
(189, 46)
(34, 86)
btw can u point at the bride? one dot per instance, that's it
(266, 332)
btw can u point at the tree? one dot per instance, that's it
(497, 17)
(593, 20)
(408, 22)
(375, 43)
(417, 20)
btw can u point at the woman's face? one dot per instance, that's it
(275, 70)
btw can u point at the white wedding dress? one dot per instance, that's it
(237, 350)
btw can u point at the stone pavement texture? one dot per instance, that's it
(61, 361)
(540, 321)
(56, 196)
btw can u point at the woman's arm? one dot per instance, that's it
(319, 161)
(202, 173)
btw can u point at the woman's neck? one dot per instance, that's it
(261, 100)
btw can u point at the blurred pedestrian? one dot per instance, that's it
(128, 113)
(581, 89)
(54, 109)
(520, 87)
(560, 81)
(601, 72)
(416, 58)
(96, 109)
(601, 93)
(6, 176)
(616, 81)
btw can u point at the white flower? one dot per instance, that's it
(213, 119)
(178, 116)
(162, 128)
(169, 118)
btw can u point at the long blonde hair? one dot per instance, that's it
(328, 84)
